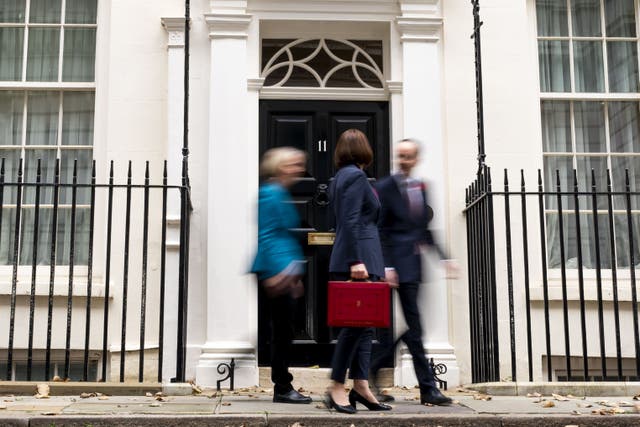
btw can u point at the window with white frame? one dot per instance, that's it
(590, 94)
(47, 91)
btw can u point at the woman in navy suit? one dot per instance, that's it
(356, 254)
(279, 261)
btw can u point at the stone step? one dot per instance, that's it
(317, 379)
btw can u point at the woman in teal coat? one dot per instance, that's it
(279, 262)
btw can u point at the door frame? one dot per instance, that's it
(323, 349)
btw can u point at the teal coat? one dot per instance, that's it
(277, 246)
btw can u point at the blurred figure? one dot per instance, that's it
(279, 262)
(403, 225)
(356, 254)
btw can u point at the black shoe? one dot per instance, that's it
(354, 397)
(292, 396)
(434, 397)
(331, 404)
(386, 398)
(373, 384)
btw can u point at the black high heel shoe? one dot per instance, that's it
(354, 397)
(345, 409)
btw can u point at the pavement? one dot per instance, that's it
(253, 407)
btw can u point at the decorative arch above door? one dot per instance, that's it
(322, 63)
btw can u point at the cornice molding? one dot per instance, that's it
(255, 84)
(419, 29)
(394, 86)
(228, 25)
(420, 8)
(175, 30)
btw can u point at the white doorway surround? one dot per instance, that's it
(411, 34)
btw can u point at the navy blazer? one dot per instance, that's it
(401, 234)
(356, 208)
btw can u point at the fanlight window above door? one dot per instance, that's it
(322, 63)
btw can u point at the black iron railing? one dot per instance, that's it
(554, 292)
(113, 240)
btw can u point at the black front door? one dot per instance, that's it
(314, 127)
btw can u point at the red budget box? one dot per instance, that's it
(359, 304)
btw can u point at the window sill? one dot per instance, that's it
(60, 289)
(590, 290)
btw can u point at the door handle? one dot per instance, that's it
(319, 146)
(325, 145)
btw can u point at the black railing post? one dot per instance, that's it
(14, 278)
(478, 66)
(34, 264)
(87, 326)
(52, 268)
(107, 274)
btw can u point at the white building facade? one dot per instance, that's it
(546, 91)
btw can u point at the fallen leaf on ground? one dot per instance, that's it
(148, 394)
(226, 403)
(87, 395)
(155, 404)
(103, 397)
(195, 389)
(42, 391)
(534, 394)
(57, 379)
(3, 406)
(608, 404)
(584, 405)
(48, 413)
(301, 390)
(484, 397)
(636, 397)
(548, 404)
(559, 397)
(574, 412)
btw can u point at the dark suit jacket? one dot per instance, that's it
(400, 234)
(356, 209)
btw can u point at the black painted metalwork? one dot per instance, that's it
(143, 290)
(229, 370)
(125, 276)
(34, 263)
(14, 278)
(570, 219)
(72, 240)
(107, 289)
(614, 280)
(527, 289)
(52, 268)
(545, 280)
(83, 195)
(478, 67)
(512, 319)
(438, 369)
(163, 267)
(583, 320)
(596, 234)
(632, 270)
(87, 321)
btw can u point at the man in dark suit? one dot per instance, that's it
(403, 222)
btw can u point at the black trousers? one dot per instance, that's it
(408, 293)
(353, 348)
(281, 314)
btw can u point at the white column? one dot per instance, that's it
(420, 29)
(175, 114)
(231, 300)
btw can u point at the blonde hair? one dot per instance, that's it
(273, 159)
